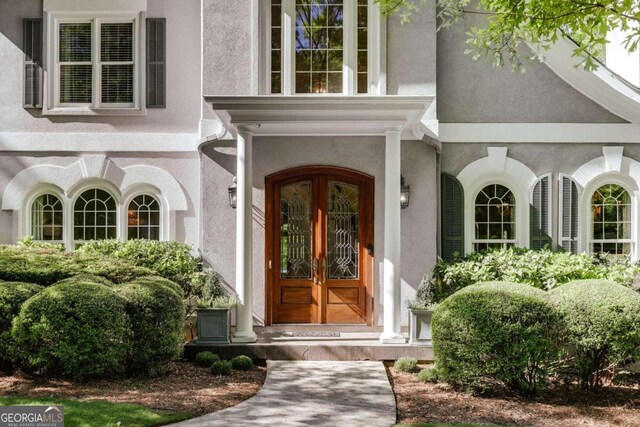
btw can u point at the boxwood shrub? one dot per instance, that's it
(156, 312)
(76, 330)
(603, 327)
(46, 266)
(87, 278)
(496, 332)
(221, 368)
(242, 363)
(12, 296)
(206, 359)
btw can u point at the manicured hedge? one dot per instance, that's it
(156, 311)
(602, 327)
(87, 278)
(77, 330)
(496, 332)
(46, 266)
(12, 296)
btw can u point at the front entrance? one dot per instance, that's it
(319, 246)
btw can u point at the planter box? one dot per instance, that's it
(420, 327)
(213, 326)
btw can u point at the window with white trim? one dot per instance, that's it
(95, 214)
(495, 218)
(143, 218)
(327, 50)
(47, 218)
(96, 63)
(611, 220)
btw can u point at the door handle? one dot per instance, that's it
(323, 267)
(314, 268)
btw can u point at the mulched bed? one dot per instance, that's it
(561, 405)
(186, 388)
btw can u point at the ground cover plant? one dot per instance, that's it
(496, 333)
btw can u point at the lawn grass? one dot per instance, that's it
(93, 413)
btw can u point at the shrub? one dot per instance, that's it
(406, 364)
(206, 359)
(46, 266)
(495, 332)
(542, 269)
(12, 296)
(161, 281)
(156, 312)
(75, 330)
(221, 367)
(87, 278)
(171, 260)
(603, 327)
(241, 363)
(429, 375)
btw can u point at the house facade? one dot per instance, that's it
(318, 155)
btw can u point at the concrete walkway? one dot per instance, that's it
(313, 393)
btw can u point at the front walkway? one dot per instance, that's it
(313, 393)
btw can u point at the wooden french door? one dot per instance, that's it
(319, 249)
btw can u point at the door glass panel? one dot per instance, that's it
(295, 230)
(342, 230)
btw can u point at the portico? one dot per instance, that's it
(391, 118)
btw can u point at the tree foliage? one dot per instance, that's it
(510, 23)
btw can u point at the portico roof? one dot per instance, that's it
(328, 114)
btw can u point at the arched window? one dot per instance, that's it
(611, 220)
(94, 216)
(46, 218)
(495, 218)
(143, 218)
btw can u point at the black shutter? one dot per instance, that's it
(32, 37)
(156, 62)
(452, 218)
(539, 213)
(569, 216)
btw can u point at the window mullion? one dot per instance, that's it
(288, 46)
(350, 52)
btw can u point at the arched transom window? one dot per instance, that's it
(143, 218)
(94, 216)
(611, 220)
(46, 218)
(495, 218)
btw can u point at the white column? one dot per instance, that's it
(391, 267)
(244, 240)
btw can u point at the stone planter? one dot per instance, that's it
(420, 327)
(213, 326)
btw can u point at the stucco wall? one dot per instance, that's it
(183, 75)
(540, 158)
(411, 53)
(275, 154)
(184, 167)
(474, 91)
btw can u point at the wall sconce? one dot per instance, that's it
(405, 193)
(233, 194)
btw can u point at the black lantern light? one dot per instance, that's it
(233, 194)
(405, 193)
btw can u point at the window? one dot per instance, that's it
(611, 220)
(143, 218)
(329, 45)
(95, 63)
(46, 218)
(94, 216)
(495, 213)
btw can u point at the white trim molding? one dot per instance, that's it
(611, 168)
(602, 86)
(497, 168)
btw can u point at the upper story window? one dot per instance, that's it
(321, 47)
(495, 218)
(611, 220)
